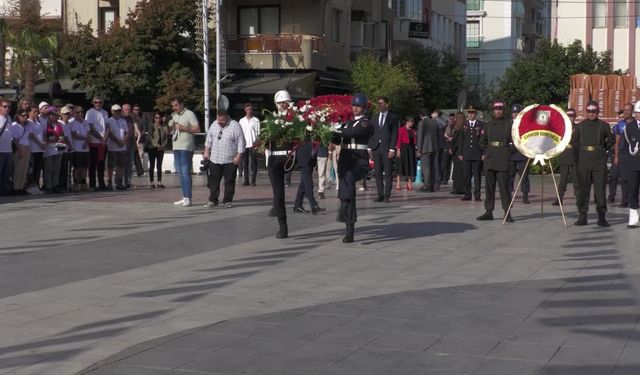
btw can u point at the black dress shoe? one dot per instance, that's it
(486, 216)
(602, 222)
(386, 200)
(322, 196)
(253, 184)
(632, 226)
(316, 209)
(379, 199)
(466, 198)
(478, 199)
(525, 199)
(623, 205)
(300, 210)
(556, 203)
(508, 219)
(246, 183)
(611, 199)
(423, 189)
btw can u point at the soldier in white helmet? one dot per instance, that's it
(278, 155)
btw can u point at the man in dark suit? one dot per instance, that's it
(427, 144)
(382, 144)
(468, 151)
(306, 161)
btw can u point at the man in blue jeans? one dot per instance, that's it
(183, 125)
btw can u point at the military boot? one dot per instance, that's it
(283, 232)
(486, 216)
(602, 222)
(507, 217)
(525, 198)
(348, 238)
(582, 220)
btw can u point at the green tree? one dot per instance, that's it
(544, 76)
(134, 61)
(439, 74)
(396, 81)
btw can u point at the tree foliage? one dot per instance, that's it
(396, 81)
(544, 76)
(439, 74)
(135, 61)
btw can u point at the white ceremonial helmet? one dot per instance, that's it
(636, 107)
(282, 96)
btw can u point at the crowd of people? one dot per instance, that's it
(49, 149)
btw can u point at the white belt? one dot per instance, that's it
(356, 147)
(279, 153)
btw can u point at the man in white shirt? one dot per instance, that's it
(97, 118)
(37, 147)
(20, 133)
(5, 147)
(80, 138)
(116, 134)
(251, 129)
(223, 150)
(65, 165)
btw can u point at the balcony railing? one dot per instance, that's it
(474, 41)
(474, 5)
(274, 43)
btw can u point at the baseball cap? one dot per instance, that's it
(52, 110)
(498, 104)
(42, 104)
(571, 112)
(116, 107)
(65, 110)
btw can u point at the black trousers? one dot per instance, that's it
(155, 161)
(586, 178)
(37, 164)
(472, 168)
(633, 186)
(382, 163)
(65, 171)
(429, 166)
(353, 166)
(276, 177)
(515, 168)
(446, 166)
(96, 167)
(216, 173)
(567, 170)
(501, 178)
(305, 188)
(618, 176)
(249, 163)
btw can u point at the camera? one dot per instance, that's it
(204, 164)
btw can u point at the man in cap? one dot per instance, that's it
(116, 134)
(631, 164)
(517, 164)
(497, 146)
(43, 116)
(567, 163)
(353, 163)
(593, 139)
(467, 149)
(620, 151)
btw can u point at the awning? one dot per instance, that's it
(299, 85)
(69, 86)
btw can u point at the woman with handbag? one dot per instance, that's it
(156, 142)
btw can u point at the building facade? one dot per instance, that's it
(603, 24)
(429, 23)
(101, 13)
(499, 32)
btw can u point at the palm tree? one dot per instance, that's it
(3, 51)
(31, 57)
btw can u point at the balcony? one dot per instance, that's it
(474, 41)
(276, 51)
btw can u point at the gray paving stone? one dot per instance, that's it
(524, 351)
(463, 346)
(161, 358)
(404, 341)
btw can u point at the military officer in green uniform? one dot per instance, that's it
(592, 140)
(567, 163)
(497, 147)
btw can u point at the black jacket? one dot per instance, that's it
(593, 140)
(497, 144)
(384, 138)
(428, 136)
(468, 142)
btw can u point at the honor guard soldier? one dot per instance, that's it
(278, 156)
(518, 162)
(467, 150)
(497, 146)
(567, 162)
(631, 164)
(353, 163)
(593, 139)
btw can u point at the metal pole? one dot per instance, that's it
(205, 61)
(218, 48)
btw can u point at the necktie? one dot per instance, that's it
(381, 120)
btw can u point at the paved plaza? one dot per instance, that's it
(126, 283)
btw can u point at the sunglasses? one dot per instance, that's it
(6, 106)
(220, 135)
(79, 112)
(97, 102)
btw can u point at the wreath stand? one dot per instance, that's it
(539, 159)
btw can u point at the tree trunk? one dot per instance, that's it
(30, 75)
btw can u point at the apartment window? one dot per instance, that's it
(473, 34)
(336, 16)
(107, 17)
(599, 13)
(472, 71)
(259, 20)
(620, 14)
(474, 4)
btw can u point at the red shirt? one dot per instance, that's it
(404, 139)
